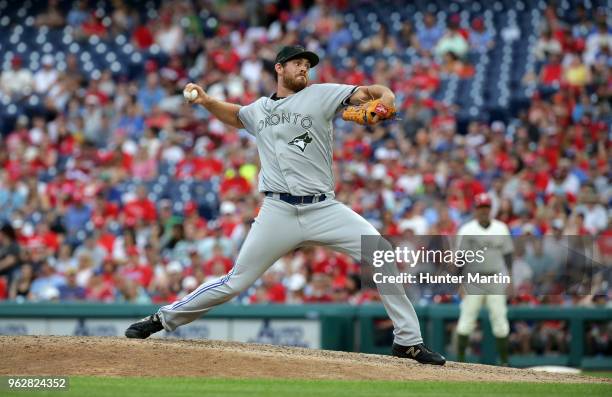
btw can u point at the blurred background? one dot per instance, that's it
(116, 195)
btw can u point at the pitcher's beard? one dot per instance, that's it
(295, 84)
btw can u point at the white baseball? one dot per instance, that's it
(190, 95)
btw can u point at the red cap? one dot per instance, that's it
(482, 200)
(429, 178)
(190, 208)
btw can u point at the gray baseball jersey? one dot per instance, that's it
(295, 138)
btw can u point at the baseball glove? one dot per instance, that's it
(368, 113)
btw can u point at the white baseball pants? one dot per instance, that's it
(470, 308)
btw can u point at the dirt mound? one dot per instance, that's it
(100, 356)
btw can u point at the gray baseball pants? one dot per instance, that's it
(278, 229)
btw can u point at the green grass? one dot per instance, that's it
(599, 374)
(147, 387)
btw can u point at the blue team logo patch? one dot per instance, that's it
(301, 141)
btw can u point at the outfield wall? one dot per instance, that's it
(329, 326)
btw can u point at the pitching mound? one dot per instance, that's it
(99, 356)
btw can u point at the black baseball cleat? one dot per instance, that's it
(419, 353)
(145, 327)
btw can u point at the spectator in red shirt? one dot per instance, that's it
(356, 141)
(135, 270)
(48, 238)
(470, 187)
(354, 73)
(271, 290)
(234, 185)
(217, 259)
(94, 90)
(3, 288)
(142, 208)
(326, 72)
(226, 60)
(103, 210)
(424, 77)
(552, 72)
(209, 166)
(142, 36)
(100, 290)
(174, 72)
(190, 166)
(330, 262)
(94, 26)
(444, 119)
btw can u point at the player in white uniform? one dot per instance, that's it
(495, 236)
(294, 134)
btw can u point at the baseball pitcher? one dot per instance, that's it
(294, 135)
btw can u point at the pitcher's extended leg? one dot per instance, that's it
(274, 233)
(337, 226)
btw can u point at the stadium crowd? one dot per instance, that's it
(113, 189)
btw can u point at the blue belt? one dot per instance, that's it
(293, 200)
